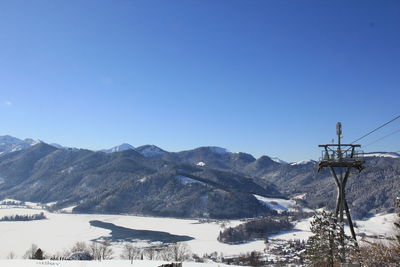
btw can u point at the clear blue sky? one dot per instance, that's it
(264, 77)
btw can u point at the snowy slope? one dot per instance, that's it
(382, 155)
(121, 147)
(150, 151)
(303, 162)
(278, 204)
(186, 180)
(278, 160)
(379, 226)
(10, 144)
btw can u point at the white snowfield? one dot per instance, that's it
(276, 159)
(379, 226)
(382, 155)
(300, 231)
(186, 180)
(105, 263)
(61, 231)
(281, 205)
(277, 204)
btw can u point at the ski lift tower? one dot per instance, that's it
(340, 159)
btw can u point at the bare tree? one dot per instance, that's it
(165, 254)
(94, 250)
(130, 252)
(150, 253)
(397, 224)
(180, 251)
(106, 251)
(378, 254)
(30, 253)
(80, 247)
(11, 255)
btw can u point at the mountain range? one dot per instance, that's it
(202, 182)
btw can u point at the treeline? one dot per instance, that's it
(18, 218)
(254, 229)
(103, 251)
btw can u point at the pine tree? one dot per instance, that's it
(38, 255)
(324, 248)
(397, 223)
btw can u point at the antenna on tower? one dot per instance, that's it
(339, 129)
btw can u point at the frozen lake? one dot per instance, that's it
(61, 230)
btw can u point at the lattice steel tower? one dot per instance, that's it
(340, 159)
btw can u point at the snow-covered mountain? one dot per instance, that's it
(219, 150)
(278, 160)
(26, 163)
(150, 151)
(121, 147)
(303, 162)
(382, 154)
(10, 144)
(58, 146)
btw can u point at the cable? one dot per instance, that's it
(373, 142)
(365, 135)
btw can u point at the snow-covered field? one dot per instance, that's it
(380, 226)
(60, 231)
(109, 263)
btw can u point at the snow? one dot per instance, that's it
(382, 155)
(301, 231)
(201, 164)
(142, 180)
(68, 209)
(7, 203)
(186, 180)
(301, 196)
(303, 162)
(33, 142)
(61, 230)
(278, 204)
(119, 148)
(12, 144)
(50, 204)
(278, 160)
(105, 263)
(219, 150)
(7, 200)
(68, 170)
(151, 151)
(378, 226)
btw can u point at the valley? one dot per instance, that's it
(60, 231)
